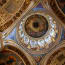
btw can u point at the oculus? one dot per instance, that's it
(36, 26)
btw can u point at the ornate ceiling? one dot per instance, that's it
(32, 32)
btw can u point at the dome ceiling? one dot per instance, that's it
(32, 32)
(38, 34)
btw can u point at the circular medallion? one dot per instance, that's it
(36, 26)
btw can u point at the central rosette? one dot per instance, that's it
(36, 26)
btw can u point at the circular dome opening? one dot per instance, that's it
(36, 26)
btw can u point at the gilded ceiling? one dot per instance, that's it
(32, 32)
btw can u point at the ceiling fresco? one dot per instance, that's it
(32, 32)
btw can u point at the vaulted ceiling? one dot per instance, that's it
(32, 32)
